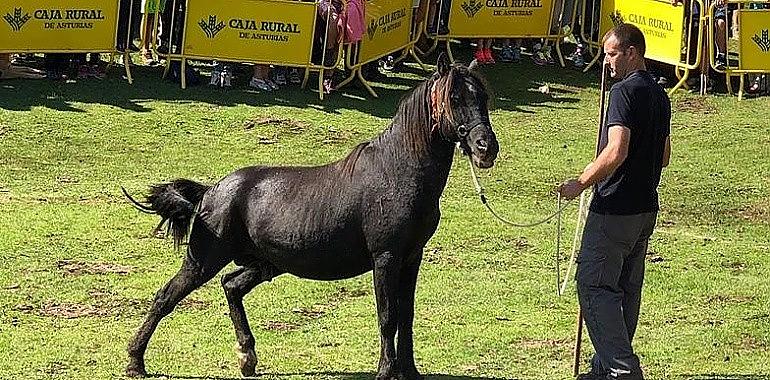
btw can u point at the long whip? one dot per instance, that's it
(579, 332)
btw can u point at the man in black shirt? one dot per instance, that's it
(634, 146)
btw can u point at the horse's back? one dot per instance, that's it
(303, 220)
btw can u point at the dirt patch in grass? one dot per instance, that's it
(285, 125)
(440, 257)
(694, 104)
(749, 342)
(194, 304)
(75, 267)
(542, 343)
(352, 293)
(103, 303)
(653, 257)
(723, 299)
(279, 326)
(313, 312)
(757, 212)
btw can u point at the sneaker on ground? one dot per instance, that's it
(294, 77)
(488, 56)
(259, 84)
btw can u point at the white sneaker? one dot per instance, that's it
(259, 84)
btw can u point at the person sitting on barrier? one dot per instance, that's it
(125, 41)
(720, 28)
(171, 33)
(570, 9)
(438, 17)
(150, 8)
(327, 38)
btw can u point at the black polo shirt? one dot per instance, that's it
(639, 104)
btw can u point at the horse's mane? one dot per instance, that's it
(415, 111)
(414, 114)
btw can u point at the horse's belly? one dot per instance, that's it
(322, 261)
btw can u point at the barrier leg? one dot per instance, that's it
(166, 68)
(321, 84)
(682, 80)
(558, 51)
(350, 77)
(365, 83)
(306, 78)
(593, 62)
(416, 58)
(740, 89)
(449, 51)
(433, 47)
(728, 80)
(182, 74)
(127, 63)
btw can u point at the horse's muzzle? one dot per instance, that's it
(484, 148)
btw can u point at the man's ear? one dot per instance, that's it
(442, 64)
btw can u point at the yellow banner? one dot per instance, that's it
(58, 25)
(500, 18)
(388, 26)
(250, 30)
(754, 40)
(661, 23)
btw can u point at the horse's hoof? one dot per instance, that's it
(135, 370)
(409, 374)
(247, 360)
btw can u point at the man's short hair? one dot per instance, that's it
(628, 35)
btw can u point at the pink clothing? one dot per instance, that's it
(355, 21)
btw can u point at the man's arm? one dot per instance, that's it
(667, 152)
(609, 160)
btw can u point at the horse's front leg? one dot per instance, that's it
(387, 267)
(407, 283)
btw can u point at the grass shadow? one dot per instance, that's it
(329, 374)
(515, 86)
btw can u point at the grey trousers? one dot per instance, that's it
(610, 274)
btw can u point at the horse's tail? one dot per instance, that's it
(175, 203)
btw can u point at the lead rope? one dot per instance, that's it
(560, 206)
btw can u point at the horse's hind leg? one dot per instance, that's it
(189, 278)
(203, 261)
(237, 284)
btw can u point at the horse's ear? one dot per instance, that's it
(473, 65)
(442, 65)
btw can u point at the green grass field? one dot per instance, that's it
(80, 267)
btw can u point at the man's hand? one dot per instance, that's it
(571, 189)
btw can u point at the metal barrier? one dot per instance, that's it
(264, 32)
(389, 29)
(69, 26)
(484, 19)
(753, 47)
(668, 30)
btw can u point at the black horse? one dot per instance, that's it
(373, 210)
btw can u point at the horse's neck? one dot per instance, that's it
(429, 163)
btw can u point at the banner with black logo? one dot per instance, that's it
(58, 25)
(388, 26)
(250, 30)
(500, 18)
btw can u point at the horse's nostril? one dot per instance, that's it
(481, 145)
